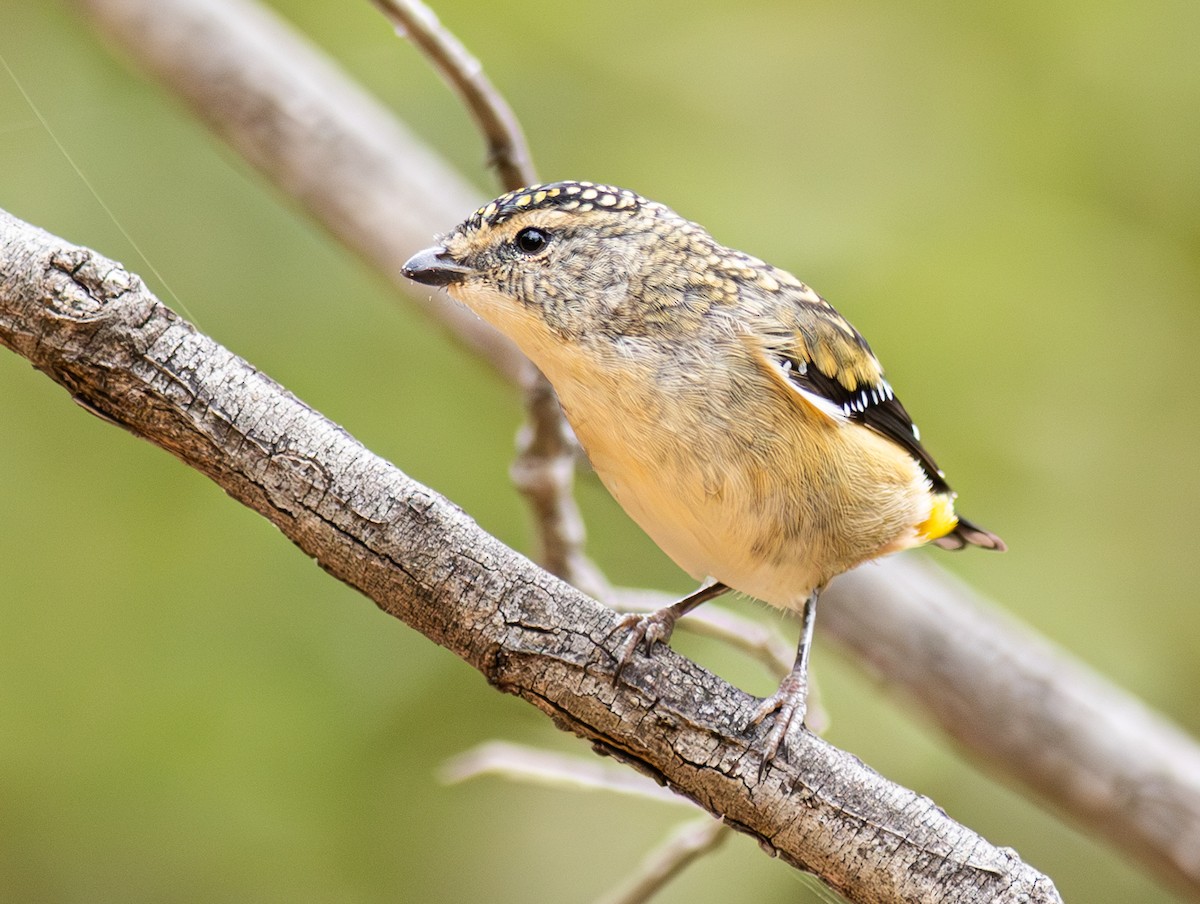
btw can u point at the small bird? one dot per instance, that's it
(738, 418)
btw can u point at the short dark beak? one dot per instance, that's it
(434, 267)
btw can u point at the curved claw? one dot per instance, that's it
(791, 704)
(645, 629)
(656, 627)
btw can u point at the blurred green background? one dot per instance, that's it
(1004, 198)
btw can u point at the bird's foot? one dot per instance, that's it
(790, 704)
(645, 630)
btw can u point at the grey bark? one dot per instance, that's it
(94, 328)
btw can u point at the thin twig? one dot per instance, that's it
(544, 467)
(687, 843)
(543, 470)
(682, 847)
(543, 767)
(315, 134)
(507, 150)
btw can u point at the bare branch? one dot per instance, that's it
(315, 134)
(541, 767)
(683, 847)
(544, 472)
(376, 187)
(507, 150)
(689, 842)
(1026, 707)
(544, 468)
(94, 328)
(756, 640)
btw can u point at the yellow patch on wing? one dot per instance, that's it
(941, 518)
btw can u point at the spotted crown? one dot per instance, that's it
(581, 196)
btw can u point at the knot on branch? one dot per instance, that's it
(83, 285)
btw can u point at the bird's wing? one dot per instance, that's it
(832, 367)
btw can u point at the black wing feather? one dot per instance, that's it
(874, 406)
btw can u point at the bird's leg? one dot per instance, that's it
(656, 627)
(791, 700)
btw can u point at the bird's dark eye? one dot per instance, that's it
(532, 240)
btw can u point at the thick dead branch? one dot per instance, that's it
(1012, 697)
(318, 138)
(96, 330)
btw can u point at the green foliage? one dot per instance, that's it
(1004, 199)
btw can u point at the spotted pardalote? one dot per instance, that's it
(734, 414)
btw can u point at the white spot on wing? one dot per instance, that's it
(830, 409)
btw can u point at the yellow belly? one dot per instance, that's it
(723, 467)
(773, 504)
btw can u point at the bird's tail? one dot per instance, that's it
(967, 534)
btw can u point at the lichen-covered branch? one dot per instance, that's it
(95, 329)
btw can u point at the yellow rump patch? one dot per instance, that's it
(941, 518)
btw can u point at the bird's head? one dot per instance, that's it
(565, 261)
